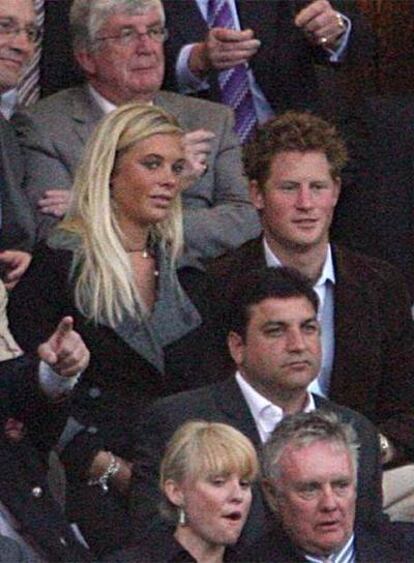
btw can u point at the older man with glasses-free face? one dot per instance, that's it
(309, 479)
(119, 46)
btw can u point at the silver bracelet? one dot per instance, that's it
(112, 469)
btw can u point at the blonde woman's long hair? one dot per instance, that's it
(104, 286)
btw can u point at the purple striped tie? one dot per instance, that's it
(234, 83)
(28, 89)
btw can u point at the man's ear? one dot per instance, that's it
(256, 195)
(86, 61)
(173, 491)
(236, 347)
(337, 187)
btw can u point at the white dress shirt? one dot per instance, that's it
(265, 414)
(324, 287)
(105, 105)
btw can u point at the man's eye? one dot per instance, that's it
(288, 187)
(342, 486)
(311, 328)
(126, 33)
(7, 26)
(33, 34)
(272, 332)
(155, 32)
(308, 491)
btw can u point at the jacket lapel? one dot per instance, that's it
(85, 113)
(231, 403)
(352, 320)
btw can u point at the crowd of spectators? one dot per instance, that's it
(206, 294)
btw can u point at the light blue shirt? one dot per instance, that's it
(324, 287)
(188, 83)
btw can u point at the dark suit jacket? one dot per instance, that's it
(375, 213)
(374, 337)
(17, 223)
(223, 402)
(283, 66)
(159, 545)
(23, 484)
(370, 546)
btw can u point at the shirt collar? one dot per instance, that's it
(265, 414)
(105, 105)
(328, 272)
(345, 555)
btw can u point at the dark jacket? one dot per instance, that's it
(159, 545)
(375, 213)
(17, 222)
(370, 545)
(23, 464)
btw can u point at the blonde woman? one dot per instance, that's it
(111, 265)
(205, 477)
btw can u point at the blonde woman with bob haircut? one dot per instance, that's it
(111, 264)
(206, 477)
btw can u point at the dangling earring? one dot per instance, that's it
(182, 520)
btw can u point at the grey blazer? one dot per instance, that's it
(17, 223)
(218, 214)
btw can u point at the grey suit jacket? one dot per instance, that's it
(17, 223)
(218, 214)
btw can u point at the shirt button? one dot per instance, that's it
(37, 492)
(63, 541)
(94, 392)
(92, 429)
